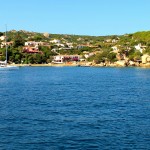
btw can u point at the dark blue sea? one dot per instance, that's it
(80, 108)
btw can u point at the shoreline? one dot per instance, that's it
(77, 65)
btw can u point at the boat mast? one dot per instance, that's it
(6, 42)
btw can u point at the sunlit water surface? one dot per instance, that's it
(74, 108)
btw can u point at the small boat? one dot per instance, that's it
(3, 64)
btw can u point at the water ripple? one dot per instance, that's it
(75, 108)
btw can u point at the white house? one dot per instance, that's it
(70, 45)
(139, 47)
(108, 40)
(115, 49)
(88, 54)
(2, 38)
(3, 44)
(65, 58)
(61, 45)
(55, 41)
(114, 41)
(33, 43)
(58, 59)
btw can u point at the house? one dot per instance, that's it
(58, 59)
(139, 47)
(60, 45)
(45, 44)
(33, 43)
(65, 58)
(28, 49)
(55, 41)
(70, 45)
(3, 44)
(88, 54)
(115, 49)
(2, 38)
(115, 40)
(108, 40)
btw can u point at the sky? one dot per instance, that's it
(79, 17)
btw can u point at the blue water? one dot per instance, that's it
(52, 108)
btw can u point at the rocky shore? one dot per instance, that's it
(89, 64)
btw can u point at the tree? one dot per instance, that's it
(1, 33)
(38, 59)
(99, 58)
(111, 57)
(38, 37)
(19, 41)
(135, 55)
(147, 51)
(31, 59)
(17, 58)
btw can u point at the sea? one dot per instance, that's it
(75, 108)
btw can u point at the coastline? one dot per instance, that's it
(78, 65)
(43, 65)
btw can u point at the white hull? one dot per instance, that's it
(8, 67)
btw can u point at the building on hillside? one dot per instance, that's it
(108, 41)
(37, 44)
(88, 54)
(139, 47)
(70, 45)
(60, 45)
(55, 41)
(115, 40)
(58, 59)
(3, 44)
(28, 49)
(65, 58)
(33, 43)
(115, 49)
(2, 38)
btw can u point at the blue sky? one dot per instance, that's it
(81, 17)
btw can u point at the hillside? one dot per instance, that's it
(38, 48)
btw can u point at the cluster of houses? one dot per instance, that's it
(33, 47)
(138, 47)
(111, 40)
(65, 58)
(3, 43)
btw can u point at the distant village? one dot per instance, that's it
(43, 48)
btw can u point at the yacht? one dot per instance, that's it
(4, 64)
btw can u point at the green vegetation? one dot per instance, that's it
(100, 47)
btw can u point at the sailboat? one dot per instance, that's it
(4, 64)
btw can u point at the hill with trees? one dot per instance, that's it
(96, 49)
